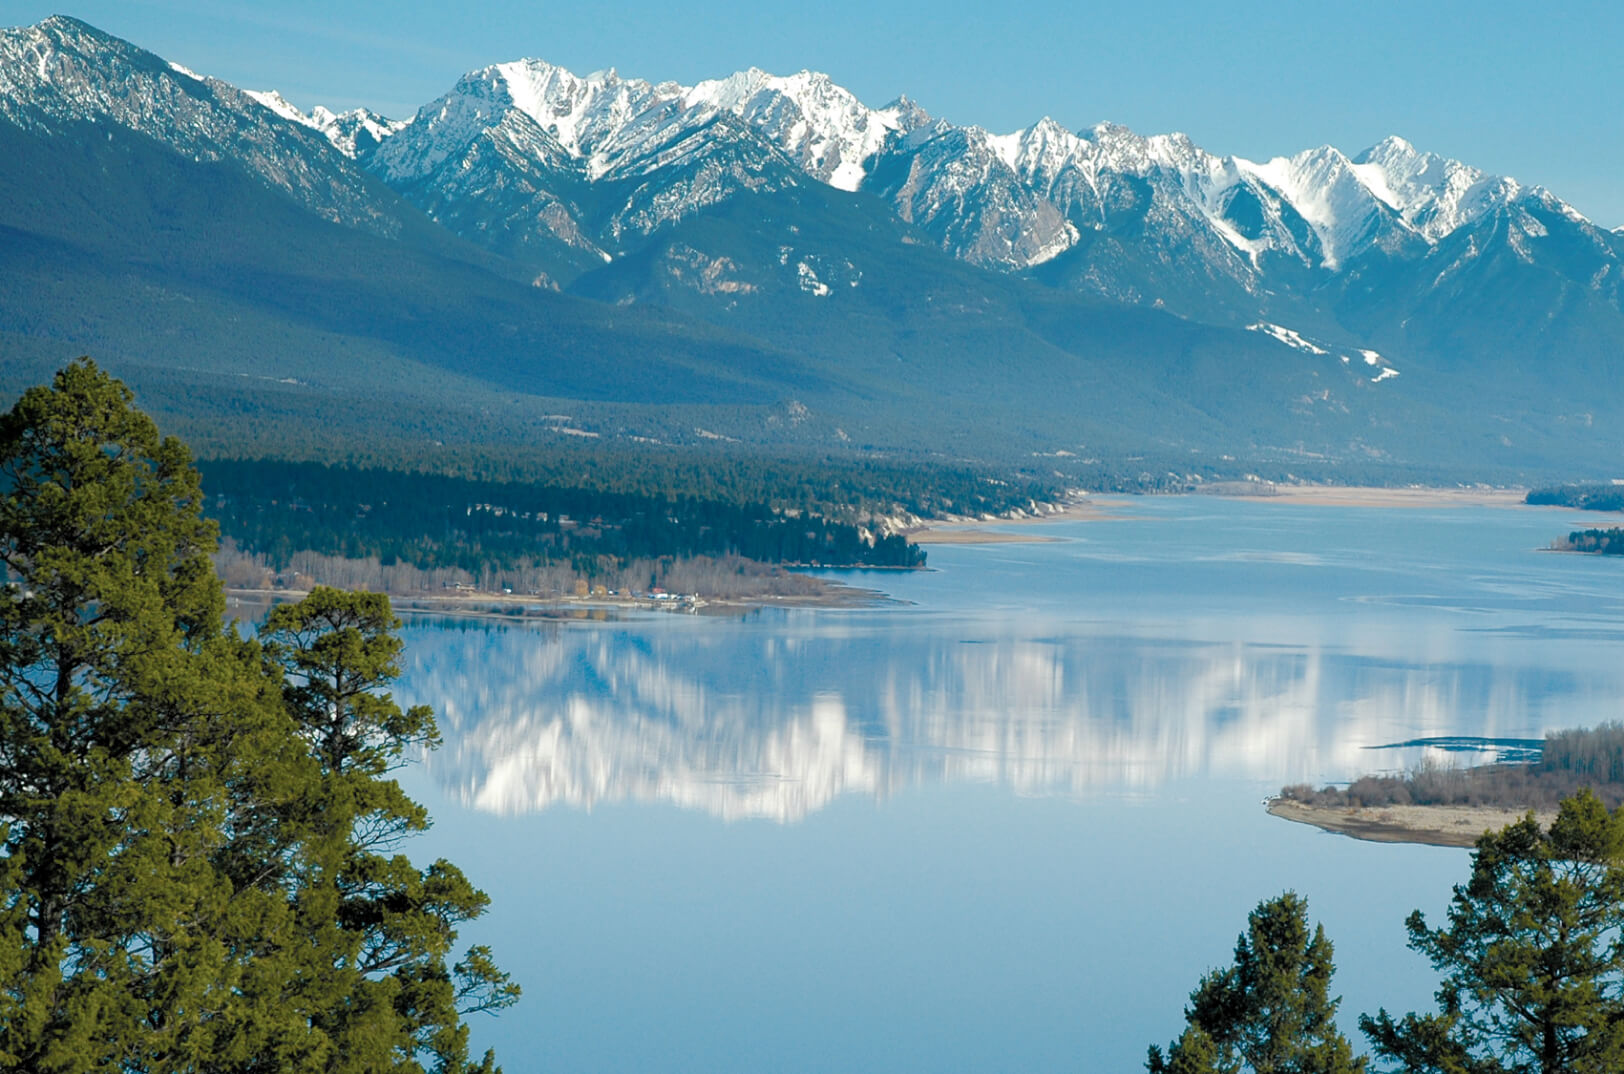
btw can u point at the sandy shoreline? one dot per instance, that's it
(1363, 496)
(970, 531)
(956, 535)
(1438, 826)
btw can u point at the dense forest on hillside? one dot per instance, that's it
(434, 522)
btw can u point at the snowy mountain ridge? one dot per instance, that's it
(1057, 182)
(783, 212)
(64, 71)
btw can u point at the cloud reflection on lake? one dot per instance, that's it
(776, 717)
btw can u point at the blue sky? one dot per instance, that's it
(1533, 91)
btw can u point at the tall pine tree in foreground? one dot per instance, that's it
(1532, 956)
(381, 929)
(196, 837)
(1272, 1011)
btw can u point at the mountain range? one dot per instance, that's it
(767, 258)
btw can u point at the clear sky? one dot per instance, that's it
(1535, 91)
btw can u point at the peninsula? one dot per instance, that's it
(1440, 806)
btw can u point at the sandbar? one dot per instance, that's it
(1438, 826)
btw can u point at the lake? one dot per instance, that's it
(1006, 822)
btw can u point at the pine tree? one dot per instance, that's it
(197, 831)
(384, 928)
(113, 671)
(1269, 1013)
(1532, 957)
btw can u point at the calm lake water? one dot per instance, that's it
(1006, 825)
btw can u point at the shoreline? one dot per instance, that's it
(956, 534)
(508, 607)
(1437, 826)
(967, 530)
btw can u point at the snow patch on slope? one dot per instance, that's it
(281, 106)
(809, 281)
(1290, 337)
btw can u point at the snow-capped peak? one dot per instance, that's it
(821, 125)
(351, 133)
(356, 131)
(1327, 190)
(1039, 151)
(1434, 195)
(577, 111)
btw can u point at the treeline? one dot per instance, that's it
(1568, 761)
(1583, 497)
(724, 578)
(1609, 542)
(848, 488)
(435, 522)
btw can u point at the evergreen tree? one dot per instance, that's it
(192, 828)
(114, 672)
(1532, 957)
(382, 928)
(1269, 1013)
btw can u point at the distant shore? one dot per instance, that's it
(990, 530)
(1367, 496)
(1438, 826)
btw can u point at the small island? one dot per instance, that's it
(1442, 806)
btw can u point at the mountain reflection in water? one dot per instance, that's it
(775, 717)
